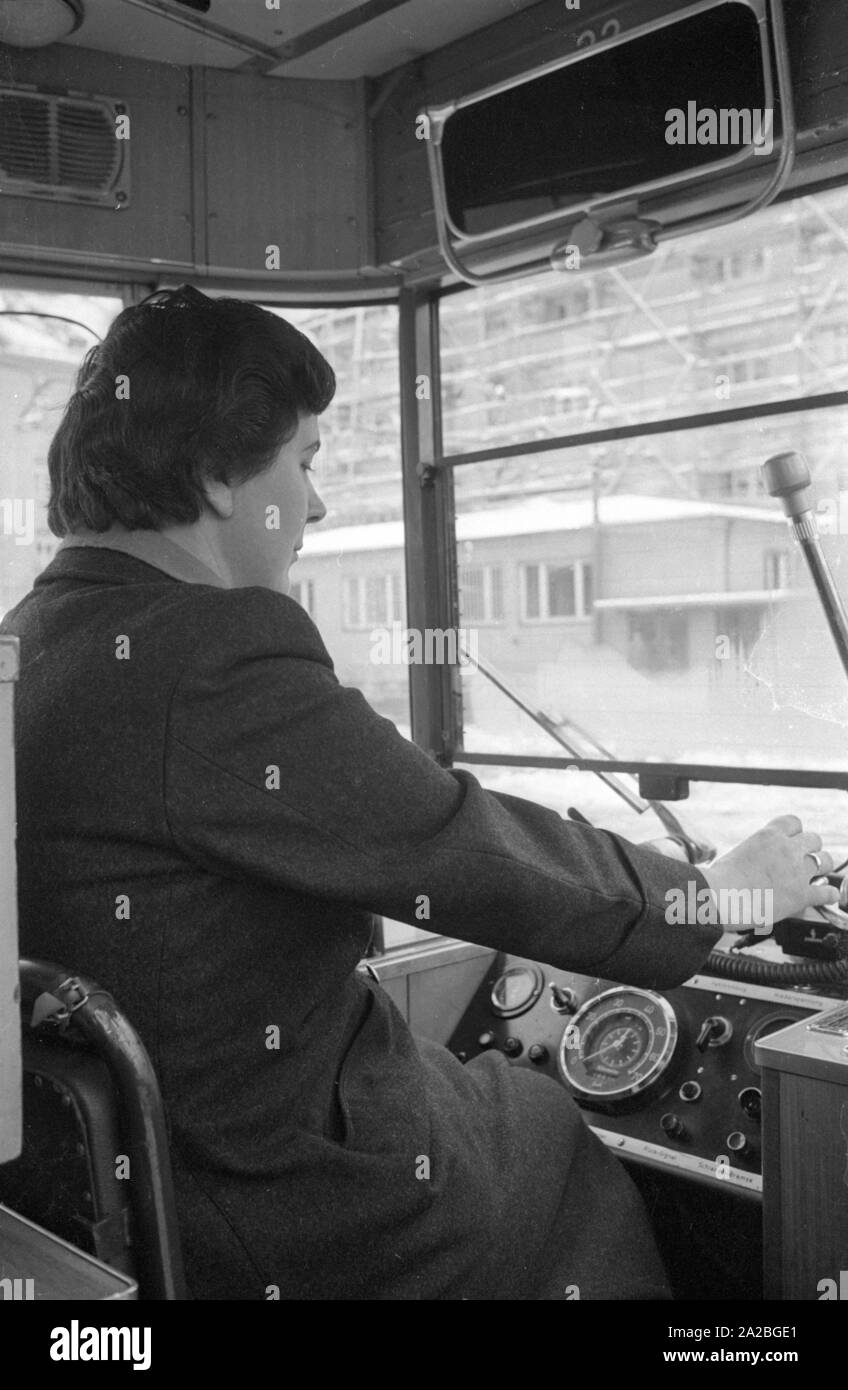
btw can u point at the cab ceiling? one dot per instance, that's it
(331, 39)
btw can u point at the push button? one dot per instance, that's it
(673, 1126)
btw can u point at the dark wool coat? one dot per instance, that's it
(152, 710)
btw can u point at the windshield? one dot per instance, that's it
(643, 586)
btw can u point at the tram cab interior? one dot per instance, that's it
(567, 334)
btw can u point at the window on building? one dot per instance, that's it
(303, 592)
(45, 549)
(658, 641)
(745, 369)
(556, 591)
(747, 263)
(737, 632)
(352, 614)
(481, 593)
(776, 565)
(372, 600)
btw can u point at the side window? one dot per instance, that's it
(350, 576)
(40, 354)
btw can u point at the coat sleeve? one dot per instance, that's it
(277, 772)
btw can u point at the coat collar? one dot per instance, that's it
(80, 548)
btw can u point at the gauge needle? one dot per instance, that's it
(604, 1048)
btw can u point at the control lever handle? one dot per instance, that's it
(787, 477)
(714, 1032)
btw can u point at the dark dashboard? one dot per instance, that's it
(669, 1081)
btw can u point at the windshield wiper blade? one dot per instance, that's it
(698, 851)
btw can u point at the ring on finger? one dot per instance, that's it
(816, 858)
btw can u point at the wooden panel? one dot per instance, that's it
(772, 1195)
(404, 220)
(805, 1180)
(405, 229)
(221, 166)
(157, 222)
(10, 1022)
(285, 166)
(438, 998)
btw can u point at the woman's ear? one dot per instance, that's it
(219, 498)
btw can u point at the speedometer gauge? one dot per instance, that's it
(618, 1044)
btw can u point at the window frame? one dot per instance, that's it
(580, 614)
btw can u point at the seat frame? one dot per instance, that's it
(74, 1014)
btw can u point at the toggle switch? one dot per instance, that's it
(563, 1000)
(714, 1032)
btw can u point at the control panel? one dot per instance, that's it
(668, 1079)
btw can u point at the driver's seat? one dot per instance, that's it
(95, 1167)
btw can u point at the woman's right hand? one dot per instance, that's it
(776, 860)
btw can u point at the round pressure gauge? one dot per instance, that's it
(618, 1044)
(516, 990)
(770, 1023)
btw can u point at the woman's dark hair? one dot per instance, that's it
(182, 388)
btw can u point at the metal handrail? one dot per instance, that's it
(97, 1016)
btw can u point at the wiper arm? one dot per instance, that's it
(698, 851)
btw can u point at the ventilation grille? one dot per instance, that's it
(63, 148)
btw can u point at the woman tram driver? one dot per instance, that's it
(207, 821)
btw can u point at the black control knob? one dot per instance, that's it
(714, 1032)
(513, 1047)
(737, 1143)
(486, 1040)
(751, 1100)
(538, 1053)
(562, 999)
(673, 1126)
(690, 1091)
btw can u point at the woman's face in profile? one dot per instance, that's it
(271, 511)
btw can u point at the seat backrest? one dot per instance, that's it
(10, 1056)
(65, 1179)
(95, 1167)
